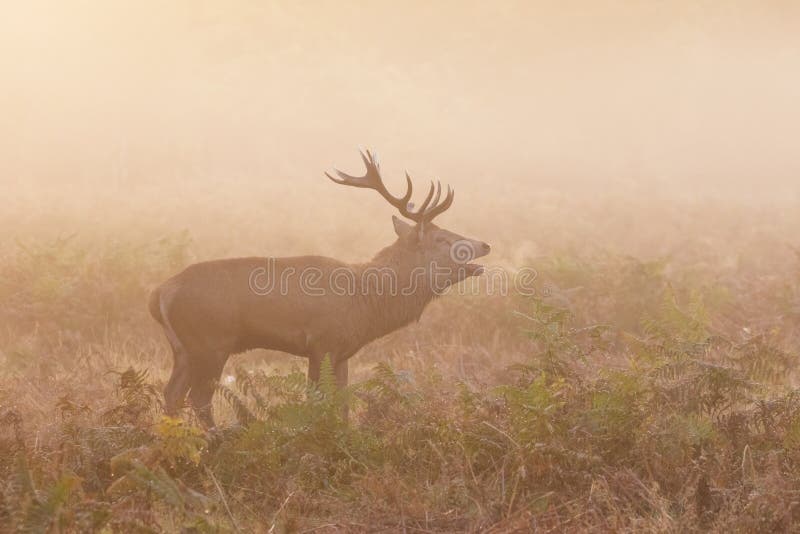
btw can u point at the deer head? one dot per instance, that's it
(422, 242)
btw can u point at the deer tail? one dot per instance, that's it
(154, 304)
(160, 300)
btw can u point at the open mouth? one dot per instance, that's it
(472, 269)
(463, 252)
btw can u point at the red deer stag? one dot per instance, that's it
(310, 306)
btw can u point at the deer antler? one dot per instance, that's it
(429, 209)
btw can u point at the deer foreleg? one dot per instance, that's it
(340, 371)
(314, 368)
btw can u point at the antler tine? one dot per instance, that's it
(429, 209)
(435, 201)
(344, 179)
(409, 189)
(370, 160)
(421, 210)
(372, 180)
(334, 180)
(440, 208)
(347, 179)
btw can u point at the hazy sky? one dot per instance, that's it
(605, 91)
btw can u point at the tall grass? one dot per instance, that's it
(652, 392)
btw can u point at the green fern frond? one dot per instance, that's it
(327, 378)
(43, 515)
(240, 409)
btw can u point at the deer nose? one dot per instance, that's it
(485, 248)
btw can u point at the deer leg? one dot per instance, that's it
(340, 371)
(314, 367)
(204, 382)
(178, 385)
(200, 394)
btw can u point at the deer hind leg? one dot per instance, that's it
(178, 385)
(203, 382)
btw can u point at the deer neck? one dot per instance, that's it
(390, 308)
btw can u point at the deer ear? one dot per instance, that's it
(403, 230)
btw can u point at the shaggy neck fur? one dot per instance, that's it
(390, 308)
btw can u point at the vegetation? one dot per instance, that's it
(626, 394)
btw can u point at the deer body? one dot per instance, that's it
(309, 306)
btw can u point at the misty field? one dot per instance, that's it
(647, 384)
(636, 161)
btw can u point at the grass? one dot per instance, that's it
(637, 390)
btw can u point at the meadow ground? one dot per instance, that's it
(648, 384)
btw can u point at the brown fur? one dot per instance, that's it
(212, 310)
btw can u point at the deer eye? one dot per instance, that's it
(440, 240)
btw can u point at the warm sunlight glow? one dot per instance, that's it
(597, 332)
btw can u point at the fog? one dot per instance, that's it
(637, 161)
(205, 107)
(143, 91)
